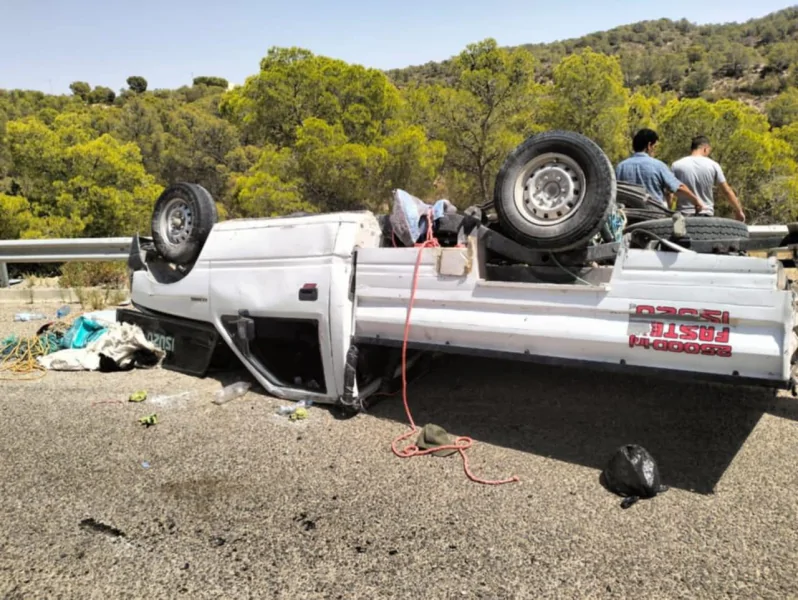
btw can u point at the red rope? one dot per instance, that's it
(461, 443)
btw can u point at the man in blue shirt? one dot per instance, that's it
(643, 169)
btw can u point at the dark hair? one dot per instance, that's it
(643, 138)
(698, 141)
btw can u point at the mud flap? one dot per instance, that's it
(191, 347)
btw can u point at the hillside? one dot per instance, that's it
(314, 133)
(751, 61)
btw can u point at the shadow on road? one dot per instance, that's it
(693, 430)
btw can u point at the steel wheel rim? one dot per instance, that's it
(177, 223)
(550, 189)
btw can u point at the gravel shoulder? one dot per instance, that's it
(234, 501)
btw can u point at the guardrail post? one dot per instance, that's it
(3, 275)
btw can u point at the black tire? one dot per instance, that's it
(638, 215)
(584, 203)
(698, 228)
(194, 205)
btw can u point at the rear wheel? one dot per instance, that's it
(555, 191)
(698, 228)
(181, 221)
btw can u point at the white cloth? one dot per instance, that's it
(119, 343)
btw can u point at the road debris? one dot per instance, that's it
(632, 473)
(149, 420)
(231, 392)
(139, 396)
(96, 526)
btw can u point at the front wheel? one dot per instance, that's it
(182, 219)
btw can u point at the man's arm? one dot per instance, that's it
(686, 191)
(739, 214)
(675, 186)
(720, 180)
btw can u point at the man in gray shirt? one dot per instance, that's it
(701, 174)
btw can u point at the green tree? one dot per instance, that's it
(293, 85)
(15, 216)
(81, 89)
(482, 118)
(76, 182)
(783, 55)
(789, 135)
(764, 175)
(680, 121)
(137, 84)
(643, 112)
(695, 54)
(272, 187)
(220, 82)
(738, 60)
(140, 122)
(783, 110)
(697, 81)
(102, 95)
(589, 98)
(196, 147)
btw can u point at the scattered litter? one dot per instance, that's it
(171, 399)
(18, 356)
(632, 473)
(433, 436)
(145, 465)
(300, 407)
(139, 396)
(23, 316)
(299, 414)
(63, 311)
(98, 527)
(124, 303)
(119, 347)
(231, 392)
(103, 317)
(149, 420)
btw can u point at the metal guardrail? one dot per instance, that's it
(61, 250)
(102, 249)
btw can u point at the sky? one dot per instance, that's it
(47, 44)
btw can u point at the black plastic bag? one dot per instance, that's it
(632, 473)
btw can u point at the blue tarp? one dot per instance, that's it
(83, 332)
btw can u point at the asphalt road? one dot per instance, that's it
(234, 501)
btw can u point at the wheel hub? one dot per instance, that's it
(179, 222)
(550, 189)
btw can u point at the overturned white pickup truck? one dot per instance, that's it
(315, 306)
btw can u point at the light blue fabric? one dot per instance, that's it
(412, 215)
(651, 173)
(82, 333)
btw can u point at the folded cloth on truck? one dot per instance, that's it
(122, 346)
(409, 216)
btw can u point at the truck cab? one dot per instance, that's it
(279, 293)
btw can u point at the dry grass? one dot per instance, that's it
(96, 284)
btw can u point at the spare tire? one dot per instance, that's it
(705, 229)
(183, 216)
(555, 191)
